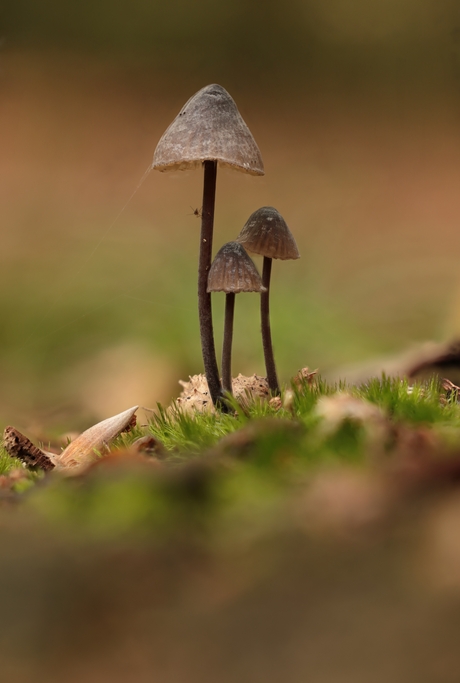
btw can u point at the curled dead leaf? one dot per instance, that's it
(97, 438)
(78, 454)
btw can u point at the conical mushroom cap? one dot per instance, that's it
(267, 234)
(208, 127)
(232, 271)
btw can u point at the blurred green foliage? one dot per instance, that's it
(216, 466)
(76, 135)
(277, 43)
(245, 554)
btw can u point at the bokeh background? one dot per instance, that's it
(355, 106)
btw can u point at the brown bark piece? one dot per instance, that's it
(19, 446)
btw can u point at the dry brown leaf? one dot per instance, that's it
(97, 438)
(78, 454)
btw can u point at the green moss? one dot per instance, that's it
(7, 463)
(221, 471)
(417, 403)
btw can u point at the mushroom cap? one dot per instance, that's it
(208, 127)
(233, 271)
(267, 234)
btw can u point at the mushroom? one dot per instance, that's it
(266, 233)
(232, 272)
(208, 129)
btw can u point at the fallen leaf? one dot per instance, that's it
(97, 438)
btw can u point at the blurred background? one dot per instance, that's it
(355, 106)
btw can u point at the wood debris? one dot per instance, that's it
(19, 446)
(78, 454)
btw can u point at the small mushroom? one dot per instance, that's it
(232, 272)
(208, 130)
(267, 234)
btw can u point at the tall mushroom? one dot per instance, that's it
(232, 272)
(266, 233)
(208, 130)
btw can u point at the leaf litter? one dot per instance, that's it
(346, 452)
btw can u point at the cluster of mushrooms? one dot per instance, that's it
(209, 130)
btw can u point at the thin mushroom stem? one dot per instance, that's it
(227, 345)
(204, 298)
(266, 333)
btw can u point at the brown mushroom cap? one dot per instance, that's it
(232, 271)
(208, 127)
(267, 234)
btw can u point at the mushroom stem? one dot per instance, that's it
(266, 333)
(227, 345)
(204, 298)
